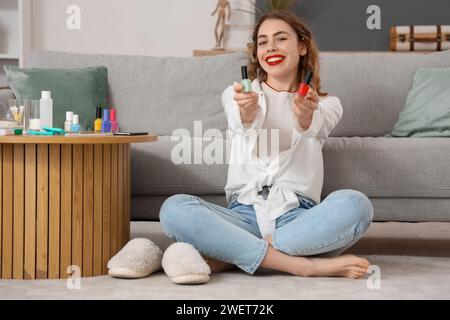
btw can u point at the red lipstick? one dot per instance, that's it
(304, 86)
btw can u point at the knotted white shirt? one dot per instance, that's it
(296, 170)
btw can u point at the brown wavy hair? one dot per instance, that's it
(308, 62)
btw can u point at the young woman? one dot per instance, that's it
(275, 218)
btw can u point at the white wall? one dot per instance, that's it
(147, 27)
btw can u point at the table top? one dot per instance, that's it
(81, 139)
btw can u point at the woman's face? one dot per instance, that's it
(278, 48)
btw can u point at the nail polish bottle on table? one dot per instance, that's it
(114, 123)
(68, 122)
(106, 123)
(98, 120)
(75, 128)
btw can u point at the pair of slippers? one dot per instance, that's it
(140, 257)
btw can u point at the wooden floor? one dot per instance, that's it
(400, 238)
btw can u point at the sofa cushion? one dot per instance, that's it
(385, 209)
(153, 171)
(378, 167)
(373, 87)
(427, 109)
(80, 90)
(148, 207)
(159, 94)
(388, 167)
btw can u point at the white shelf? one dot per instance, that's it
(239, 26)
(8, 57)
(15, 30)
(15, 33)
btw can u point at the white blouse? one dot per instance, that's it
(293, 161)
(277, 126)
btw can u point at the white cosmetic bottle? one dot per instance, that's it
(46, 109)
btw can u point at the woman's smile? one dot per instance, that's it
(274, 59)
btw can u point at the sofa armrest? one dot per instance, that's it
(5, 94)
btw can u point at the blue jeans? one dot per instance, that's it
(232, 235)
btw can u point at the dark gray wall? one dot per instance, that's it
(340, 25)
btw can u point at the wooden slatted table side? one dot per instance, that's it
(64, 204)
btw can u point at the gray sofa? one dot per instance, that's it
(407, 179)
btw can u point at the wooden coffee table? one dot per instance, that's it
(63, 201)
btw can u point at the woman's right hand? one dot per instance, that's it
(247, 102)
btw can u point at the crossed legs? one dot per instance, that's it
(220, 233)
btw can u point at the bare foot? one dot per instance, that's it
(348, 265)
(217, 266)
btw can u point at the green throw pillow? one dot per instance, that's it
(80, 90)
(427, 109)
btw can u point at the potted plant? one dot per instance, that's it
(262, 7)
(275, 5)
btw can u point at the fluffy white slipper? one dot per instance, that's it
(139, 258)
(184, 264)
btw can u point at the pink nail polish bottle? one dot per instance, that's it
(114, 123)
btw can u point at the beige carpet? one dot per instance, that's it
(413, 259)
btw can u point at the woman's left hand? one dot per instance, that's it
(304, 107)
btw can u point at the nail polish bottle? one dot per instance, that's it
(246, 83)
(114, 123)
(68, 122)
(98, 120)
(304, 86)
(106, 123)
(75, 128)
